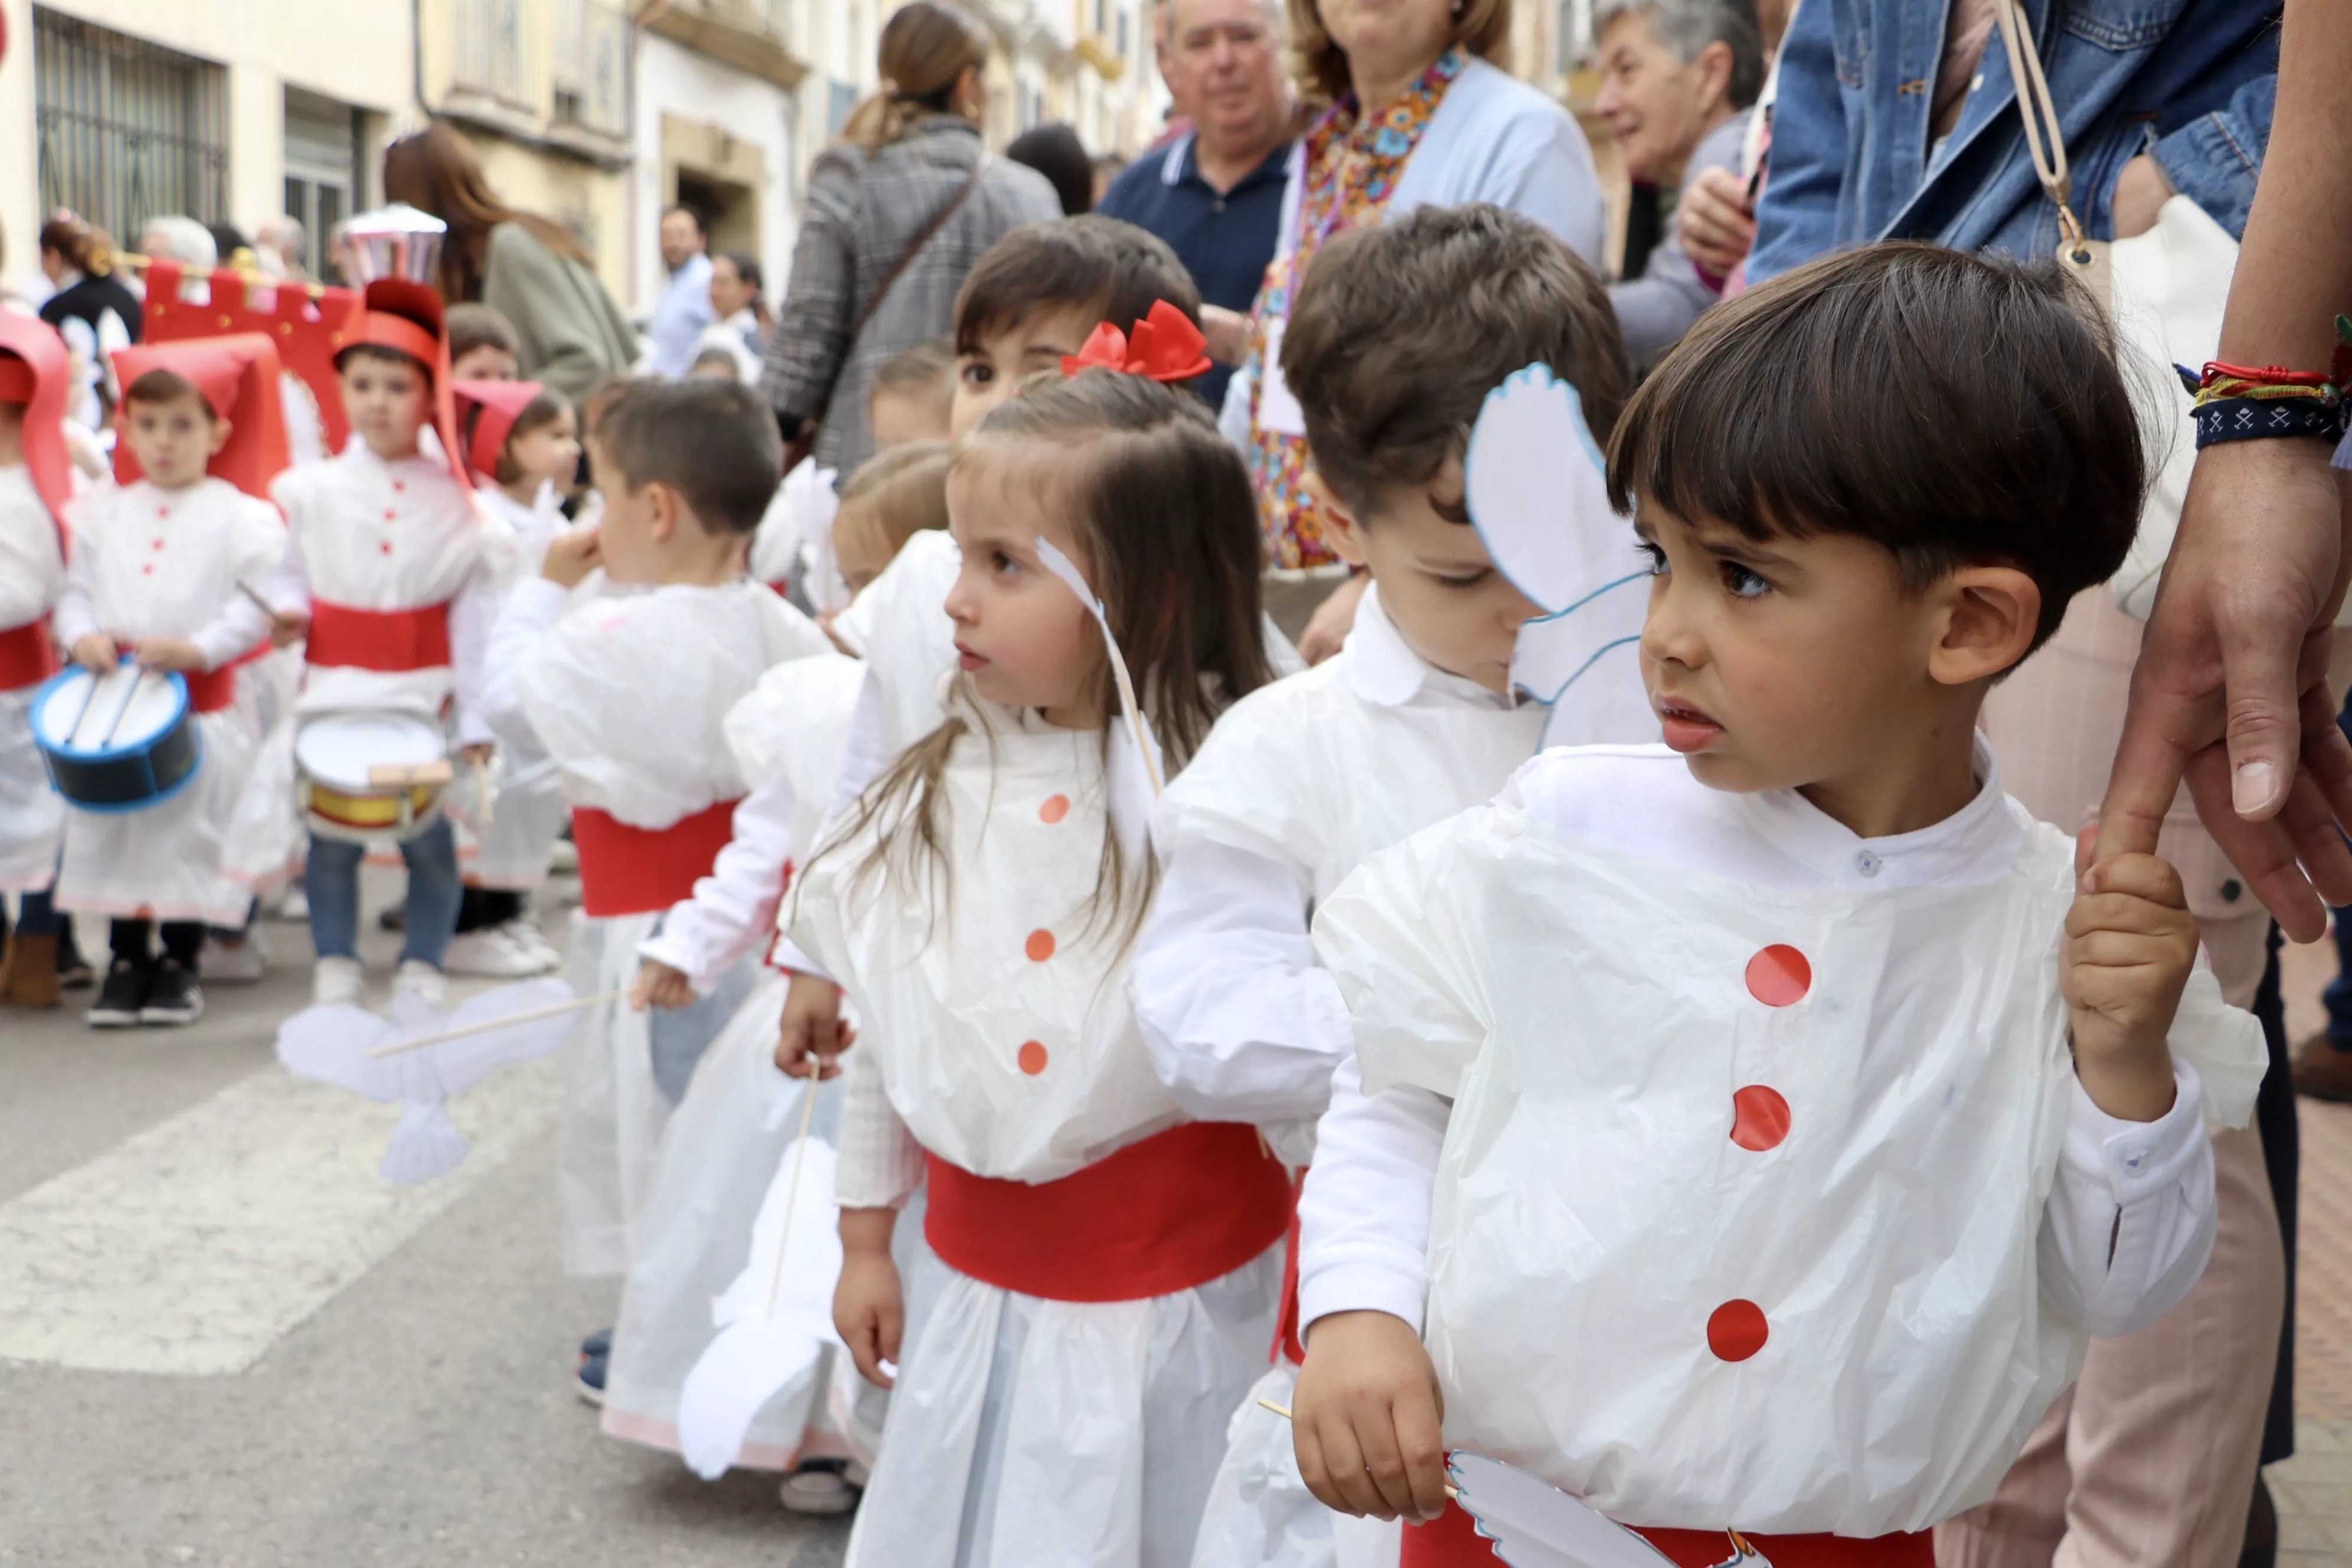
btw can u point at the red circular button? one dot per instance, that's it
(1057, 807)
(1032, 1058)
(1737, 1331)
(1778, 975)
(1759, 1118)
(1039, 947)
(390, 515)
(385, 547)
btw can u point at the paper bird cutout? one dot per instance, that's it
(1536, 1525)
(332, 1045)
(775, 1318)
(1535, 487)
(1147, 743)
(1164, 346)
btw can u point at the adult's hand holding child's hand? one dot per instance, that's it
(2130, 944)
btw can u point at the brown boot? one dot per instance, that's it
(2322, 1069)
(31, 980)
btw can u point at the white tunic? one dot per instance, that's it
(153, 562)
(32, 575)
(1920, 1239)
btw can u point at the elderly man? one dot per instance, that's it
(684, 308)
(1215, 194)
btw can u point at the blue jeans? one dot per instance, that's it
(37, 913)
(331, 882)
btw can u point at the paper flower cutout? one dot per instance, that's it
(332, 1045)
(1535, 484)
(1536, 1525)
(1164, 346)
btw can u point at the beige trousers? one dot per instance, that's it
(2149, 1459)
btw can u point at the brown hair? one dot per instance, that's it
(1958, 409)
(76, 241)
(925, 47)
(927, 367)
(1166, 521)
(161, 385)
(474, 326)
(1113, 269)
(712, 442)
(1319, 66)
(599, 402)
(437, 172)
(1400, 331)
(536, 414)
(904, 491)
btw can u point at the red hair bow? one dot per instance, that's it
(1164, 346)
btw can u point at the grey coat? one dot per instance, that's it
(571, 334)
(866, 207)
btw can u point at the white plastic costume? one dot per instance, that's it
(1296, 786)
(525, 808)
(795, 536)
(1023, 1429)
(153, 562)
(1767, 1197)
(32, 575)
(629, 694)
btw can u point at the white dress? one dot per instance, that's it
(629, 695)
(1022, 1430)
(507, 840)
(32, 575)
(1768, 1196)
(152, 562)
(1298, 783)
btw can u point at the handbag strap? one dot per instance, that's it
(906, 259)
(2045, 142)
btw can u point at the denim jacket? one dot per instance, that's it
(1853, 160)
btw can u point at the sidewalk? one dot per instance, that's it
(2314, 1489)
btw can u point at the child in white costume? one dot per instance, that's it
(1713, 1115)
(628, 693)
(1103, 1272)
(1411, 722)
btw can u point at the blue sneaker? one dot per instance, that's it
(590, 1379)
(598, 1343)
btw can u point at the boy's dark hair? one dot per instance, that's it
(161, 385)
(477, 326)
(536, 414)
(713, 442)
(1113, 269)
(380, 355)
(927, 368)
(599, 402)
(1400, 331)
(1958, 409)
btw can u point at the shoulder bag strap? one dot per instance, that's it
(2045, 142)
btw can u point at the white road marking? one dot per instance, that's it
(194, 1247)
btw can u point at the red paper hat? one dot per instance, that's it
(238, 377)
(34, 370)
(1164, 346)
(308, 323)
(407, 318)
(501, 403)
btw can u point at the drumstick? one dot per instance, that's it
(260, 603)
(486, 1024)
(482, 791)
(1285, 1413)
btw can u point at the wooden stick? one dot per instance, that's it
(486, 1024)
(482, 793)
(793, 1191)
(1278, 1410)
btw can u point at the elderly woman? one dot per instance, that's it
(1415, 115)
(1676, 80)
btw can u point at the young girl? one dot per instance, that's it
(1106, 1273)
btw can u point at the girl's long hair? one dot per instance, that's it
(925, 47)
(1164, 516)
(435, 172)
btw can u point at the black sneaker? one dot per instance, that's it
(173, 997)
(590, 1379)
(598, 1343)
(73, 970)
(122, 998)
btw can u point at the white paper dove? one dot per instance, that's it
(1536, 1525)
(332, 1045)
(1535, 484)
(775, 1320)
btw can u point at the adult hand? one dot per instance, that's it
(1714, 223)
(2141, 191)
(1228, 334)
(2231, 690)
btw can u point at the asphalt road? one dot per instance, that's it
(223, 1342)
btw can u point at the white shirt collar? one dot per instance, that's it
(1974, 845)
(1382, 669)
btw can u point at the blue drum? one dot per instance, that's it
(122, 741)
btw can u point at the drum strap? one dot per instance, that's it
(388, 641)
(27, 656)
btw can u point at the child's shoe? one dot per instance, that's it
(818, 1487)
(173, 997)
(495, 952)
(232, 960)
(31, 980)
(295, 906)
(590, 1379)
(419, 979)
(121, 998)
(74, 973)
(335, 983)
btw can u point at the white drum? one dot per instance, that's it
(371, 775)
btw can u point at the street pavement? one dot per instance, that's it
(225, 1342)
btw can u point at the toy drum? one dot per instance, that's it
(371, 775)
(123, 741)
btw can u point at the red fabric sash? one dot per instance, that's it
(628, 870)
(1287, 1342)
(27, 657)
(1454, 1541)
(1179, 1209)
(391, 641)
(210, 690)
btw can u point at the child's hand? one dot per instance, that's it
(868, 1311)
(95, 651)
(659, 985)
(571, 556)
(812, 1027)
(287, 628)
(1365, 1416)
(476, 754)
(167, 653)
(2130, 944)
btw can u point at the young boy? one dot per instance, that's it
(627, 694)
(159, 575)
(394, 568)
(1395, 340)
(1755, 1126)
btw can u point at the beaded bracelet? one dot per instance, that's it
(2237, 403)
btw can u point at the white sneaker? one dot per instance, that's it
(563, 857)
(818, 1488)
(295, 905)
(493, 951)
(534, 940)
(419, 979)
(237, 962)
(335, 983)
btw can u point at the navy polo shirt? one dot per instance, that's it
(1224, 241)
